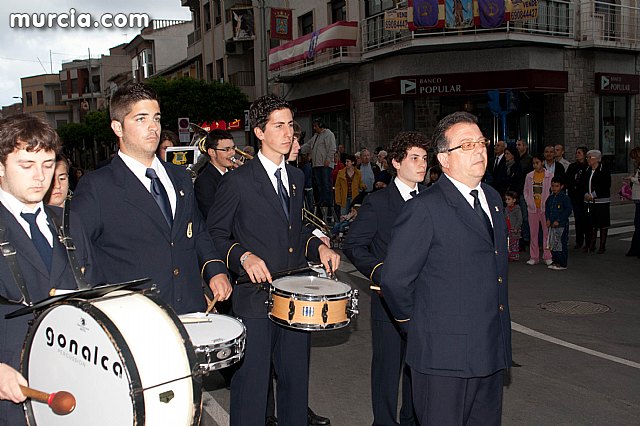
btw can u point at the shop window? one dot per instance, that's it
(615, 131)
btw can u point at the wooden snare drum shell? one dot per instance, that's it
(305, 297)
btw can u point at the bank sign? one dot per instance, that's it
(419, 86)
(617, 84)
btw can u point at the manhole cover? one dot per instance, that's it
(574, 307)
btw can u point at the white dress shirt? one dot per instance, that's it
(271, 168)
(16, 207)
(466, 193)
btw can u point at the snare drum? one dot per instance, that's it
(218, 339)
(125, 357)
(312, 303)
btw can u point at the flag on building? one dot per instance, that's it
(281, 20)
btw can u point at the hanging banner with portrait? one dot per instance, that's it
(243, 28)
(459, 14)
(424, 14)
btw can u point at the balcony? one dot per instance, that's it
(555, 24)
(333, 58)
(194, 37)
(587, 24)
(609, 25)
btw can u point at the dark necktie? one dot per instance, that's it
(282, 193)
(480, 211)
(38, 238)
(160, 195)
(413, 193)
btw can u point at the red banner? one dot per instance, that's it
(281, 20)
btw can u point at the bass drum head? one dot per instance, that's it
(124, 357)
(311, 286)
(69, 350)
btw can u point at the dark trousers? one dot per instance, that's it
(526, 235)
(289, 351)
(387, 364)
(445, 401)
(561, 257)
(580, 221)
(322, 175)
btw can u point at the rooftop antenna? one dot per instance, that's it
(40, 62)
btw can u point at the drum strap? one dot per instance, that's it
(65, 239)
(9, 253)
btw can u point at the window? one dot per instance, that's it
(220, 69)
(146, 63)
(305, 23)
(206, 12)
(39, 97)
(338, 10)
(29, 100)
(614, 131)
(373, 7)
(57, 96)
(210, 72)
(217, 13)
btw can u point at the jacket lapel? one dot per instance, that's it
(136, 195)
(22, 243)
(463, 209)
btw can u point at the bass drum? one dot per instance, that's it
(125, 357)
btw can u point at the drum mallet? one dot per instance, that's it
(61, 402)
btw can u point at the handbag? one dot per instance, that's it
(625, 191)
(554, 239)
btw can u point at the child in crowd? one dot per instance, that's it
(557, 211)
(514, 224)
(537, 185)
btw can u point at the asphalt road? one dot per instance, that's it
(578, 359)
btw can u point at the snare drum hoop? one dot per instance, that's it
(234, 341)
(118, 340)
(273, 289)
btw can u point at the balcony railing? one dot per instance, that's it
(324, 59)
(243, 78)
(555, 19)
(609, 25)
(194, 37)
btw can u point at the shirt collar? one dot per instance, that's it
(139, 169)
(405, 191)
(269, 165)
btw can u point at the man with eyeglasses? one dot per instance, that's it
(445, 281)
(220, 148)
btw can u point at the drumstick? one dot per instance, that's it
(61, 402)
(211, 304)
(245, 279)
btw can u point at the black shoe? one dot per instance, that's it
(271, 421)
(315, 419)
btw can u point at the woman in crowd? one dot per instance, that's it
(167, 139)
(515, 178)
(597, 184)
(634, 250)
(573, 183)
(348, 185)
(59, 190)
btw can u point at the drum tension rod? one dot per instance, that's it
(325, 309)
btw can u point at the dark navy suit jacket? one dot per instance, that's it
(444, 273)
(132, 239)
(205, 187)
(248, 216)
(368, 237)
(39, 282)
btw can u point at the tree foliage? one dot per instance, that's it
(73, 135)
(198, 100)
(99, 124)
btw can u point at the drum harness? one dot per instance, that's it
(9, 253)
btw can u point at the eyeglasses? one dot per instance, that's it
(468, 145)
(227, 149)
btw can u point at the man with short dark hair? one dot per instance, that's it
(550, 163)
(366, 247)
(141, 213)
(257, 222)
(28, 147)
(445, 281)
(220, 149)
(559, 156)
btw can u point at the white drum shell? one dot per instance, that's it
(122, 328)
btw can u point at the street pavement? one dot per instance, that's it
(576, 345)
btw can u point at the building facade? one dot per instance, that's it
(41, 96)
